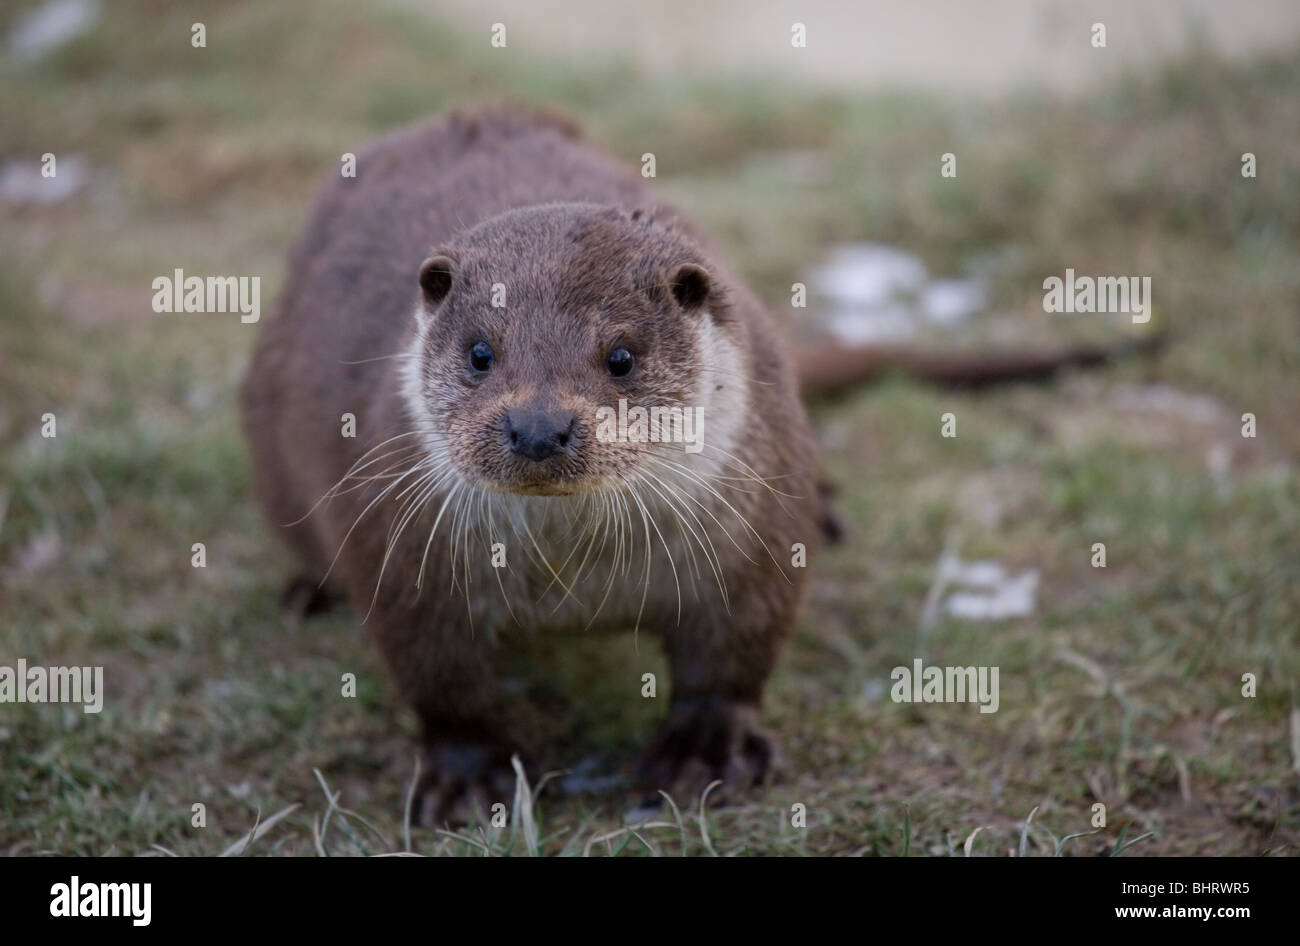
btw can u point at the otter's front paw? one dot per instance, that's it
(461, 782)
(703, 740)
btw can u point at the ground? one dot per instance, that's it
(1124, 687)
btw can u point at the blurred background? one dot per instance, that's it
(1120, 685)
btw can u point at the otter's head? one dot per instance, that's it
(541, 330)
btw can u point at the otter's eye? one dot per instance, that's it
(480, 356)
(620, 362)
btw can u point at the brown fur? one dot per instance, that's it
(403, 518)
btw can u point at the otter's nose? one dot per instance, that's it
(539, 434)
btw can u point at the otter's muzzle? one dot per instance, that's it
(539, 434)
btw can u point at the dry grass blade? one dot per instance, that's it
(344, 815)
(704, 827)
(681, 828)
(406, 812)
(1024, 832)
(630, 829)
(1295, 740)
(970, 840)
(521, 819)
(259, 830)
(467, 839)
(317, 841)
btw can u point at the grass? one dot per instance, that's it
(1124, 688)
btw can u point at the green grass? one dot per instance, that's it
(1124, 688)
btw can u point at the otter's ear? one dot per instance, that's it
(435, 278)
(690, 285)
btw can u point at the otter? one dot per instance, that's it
(474, 298)
(484, 291)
